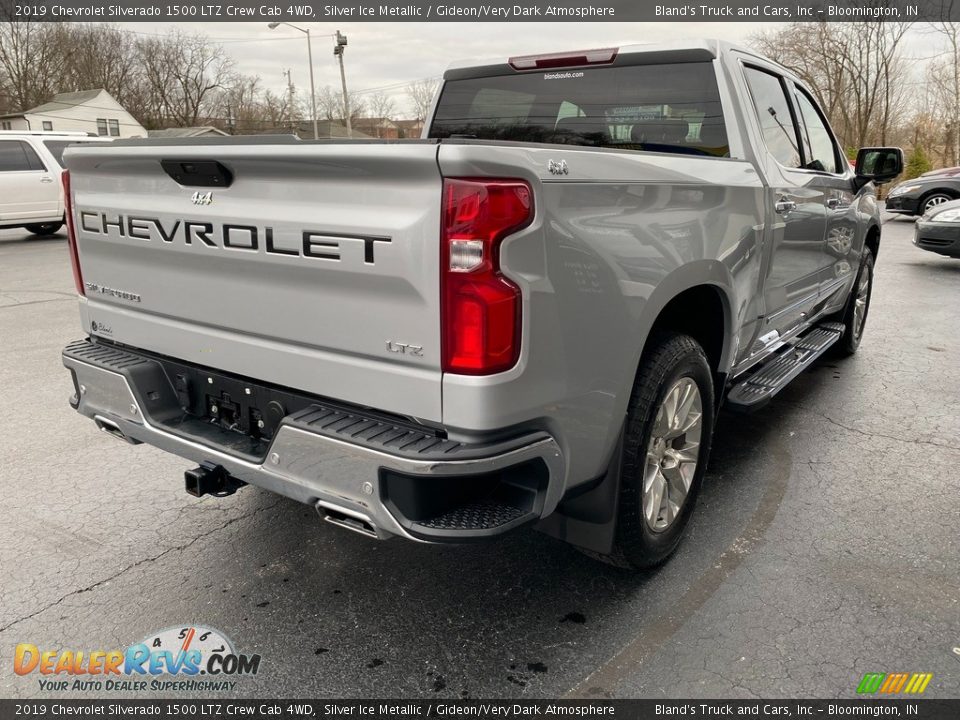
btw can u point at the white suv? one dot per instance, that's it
(31, 196)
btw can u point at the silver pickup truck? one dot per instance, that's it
(529, 316)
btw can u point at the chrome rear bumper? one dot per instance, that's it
(306, 461)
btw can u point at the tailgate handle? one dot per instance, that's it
(198, 173)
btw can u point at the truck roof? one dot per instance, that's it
(674, 51)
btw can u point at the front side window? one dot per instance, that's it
(18, 156)
(773, 112)
(820, 152)
(671, 107)
(102, 126)
(114, 128)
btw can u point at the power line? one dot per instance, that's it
(228, 39)
(396, 85)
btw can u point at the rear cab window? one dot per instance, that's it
(670, 108)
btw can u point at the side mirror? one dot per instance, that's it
(878, 164)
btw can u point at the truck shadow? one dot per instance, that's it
(493, 620)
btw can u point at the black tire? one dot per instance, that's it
(669, 360)
(936, 198)
(44, 228)
(852, 334)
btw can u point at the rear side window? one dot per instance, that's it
(18, 156)
(773, 112)
(56, 148)
(672, 108)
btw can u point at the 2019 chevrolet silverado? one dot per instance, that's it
(529, 316)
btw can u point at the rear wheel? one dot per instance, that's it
(854, 316)
(44, 228)
(669, 428)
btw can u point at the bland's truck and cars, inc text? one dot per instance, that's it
(529, 316)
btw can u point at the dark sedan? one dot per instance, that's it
(917, 196)
(939, 230)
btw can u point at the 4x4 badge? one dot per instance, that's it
(199, 198)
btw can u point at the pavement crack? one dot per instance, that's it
(138, 563)
(867, 433)
(34, 302)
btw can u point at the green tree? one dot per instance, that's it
(917, 163)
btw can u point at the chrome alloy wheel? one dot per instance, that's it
(672, 454)
(934, 201)
(861, 300)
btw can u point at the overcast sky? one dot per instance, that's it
(389, 55)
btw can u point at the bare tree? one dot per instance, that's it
(238, 106)
(182, 72)
(944, 75)
(380, 105)
(854, 68)
(102, 56)
(330, 104)
(32, 61)
(421, 94)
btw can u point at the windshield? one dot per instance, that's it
(671, 108)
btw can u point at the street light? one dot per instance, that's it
(338, 53)
(313, 91)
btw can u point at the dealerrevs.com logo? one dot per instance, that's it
(192, 658)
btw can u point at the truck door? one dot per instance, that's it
(27, 190)
(796, 215)
(832, 175)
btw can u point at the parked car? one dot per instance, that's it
(939, 230)
(942, 171)
(917, 196)
(31, 195)
(528, 317)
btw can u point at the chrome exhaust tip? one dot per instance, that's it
(356, 522)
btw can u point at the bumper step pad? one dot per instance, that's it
(777, 371)
(476, 516)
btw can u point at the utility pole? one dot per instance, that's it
(290, 92)
(338, 53)
(313, 84)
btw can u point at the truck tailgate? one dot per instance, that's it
(317, 268)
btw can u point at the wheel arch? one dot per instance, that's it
(872, 239)
(697, 300)
(702, 292)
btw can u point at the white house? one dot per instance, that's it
(90, 111)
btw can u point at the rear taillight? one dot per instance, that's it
(71, 231)
(480, 315)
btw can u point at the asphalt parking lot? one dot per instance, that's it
(826, 543)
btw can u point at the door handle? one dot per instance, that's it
(833, 203)
(784, 206)
(46, 179)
